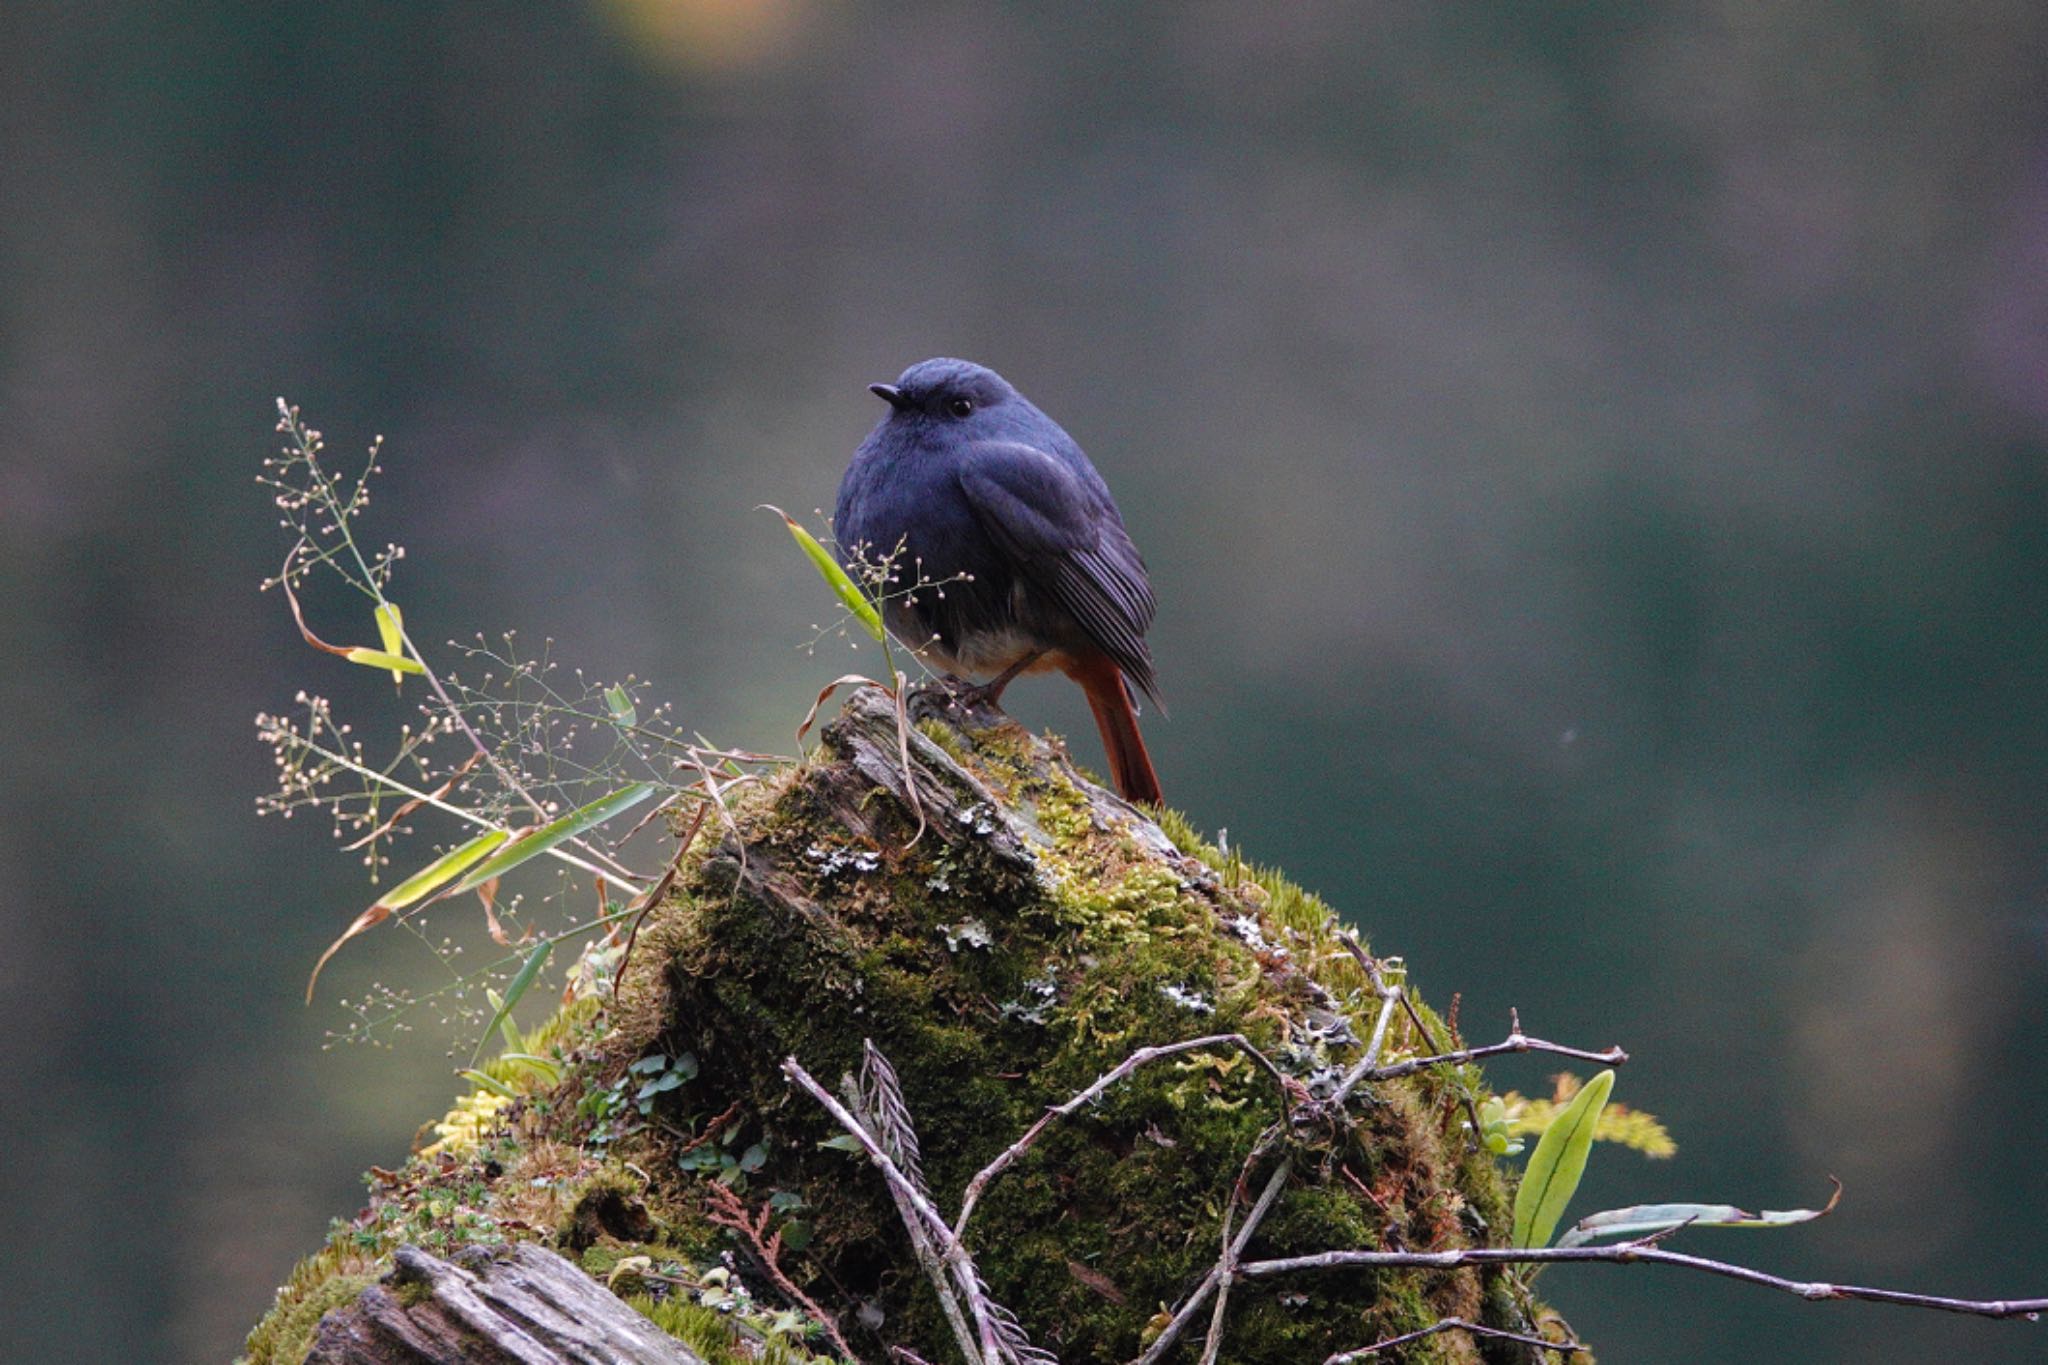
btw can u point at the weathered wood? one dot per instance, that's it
(522, 1305)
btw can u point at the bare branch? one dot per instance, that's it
(996, 1336)
(1389, 997)
(1141, 1057)
(1371, 967)
(1629, 1252)
(1226, 1265)
(1448, 1325)
(1171, 1333)
(1516, 1041)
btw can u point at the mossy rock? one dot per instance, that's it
(1004, 932)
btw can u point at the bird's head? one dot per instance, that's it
(945, 390)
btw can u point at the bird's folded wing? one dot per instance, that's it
(1068, 542)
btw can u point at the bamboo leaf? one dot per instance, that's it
(364, 922)
(558, 831)
(841, 583)
(377, 658)
(1558, 1164)
(621, 706)
(420, 884)
(390, 627)
(521, 980)
(442, 870)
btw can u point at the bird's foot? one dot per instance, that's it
(960, 701)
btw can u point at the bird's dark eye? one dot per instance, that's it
(960, 407)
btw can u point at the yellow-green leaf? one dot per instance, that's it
(842, 584)
(377, 658)
(544, 1069)
(442, 870)
(420, 884)
(535, 842)
(1558, 1164)
(485, 1082)
(390, 627)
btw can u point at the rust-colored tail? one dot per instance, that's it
(1110, 699)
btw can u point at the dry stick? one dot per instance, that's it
(1390, 996)
(659, 891)
(1628, 1252)
(1226, 1266)
(1166, 1338)
(1123, 1069)
(925, 1226)
(1371, 967)
(1217, 1281)
(1516, 1041)
(1446, 1325)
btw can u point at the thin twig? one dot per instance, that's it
(1186, 1314)
(1447, 1325)
(659, 891)
(1225, 1270)
(1629, 1252)
(1143, 1055)
(924, 1223)
(1371, 967)
(1516, 1041)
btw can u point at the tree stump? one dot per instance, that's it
(1003, 931)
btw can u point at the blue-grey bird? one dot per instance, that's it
(1007, 554)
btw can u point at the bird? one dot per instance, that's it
(1004, 551)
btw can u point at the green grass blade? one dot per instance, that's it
(849, 593)
(548, 1071)
(485, 1082)
(1558, 1164)
(442, 870)
(524, 978)
(536, 842)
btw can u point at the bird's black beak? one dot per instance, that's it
(889, 394)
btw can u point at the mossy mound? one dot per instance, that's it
(1004, 932)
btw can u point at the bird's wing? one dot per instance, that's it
(1068, 542)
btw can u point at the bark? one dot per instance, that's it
(522, 1306)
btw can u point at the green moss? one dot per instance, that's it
(995, 989)
(945, 736)
(721, 1338)
(324, 1281)
(607, 1204)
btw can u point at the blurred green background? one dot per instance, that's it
(1593, 460)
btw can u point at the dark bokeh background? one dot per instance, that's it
(1593, 460)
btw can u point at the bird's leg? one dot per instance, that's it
(972, 696)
